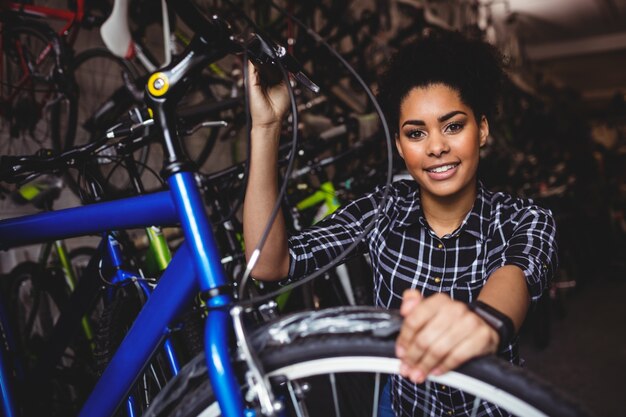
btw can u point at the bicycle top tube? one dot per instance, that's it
(128, 213)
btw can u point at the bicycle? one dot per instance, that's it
(315, 196)
(37, 101)
(38, 96)
(53, 256)
(196, 267)
(37, 295)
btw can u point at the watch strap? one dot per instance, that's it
(500, 322)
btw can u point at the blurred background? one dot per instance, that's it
(560, 137)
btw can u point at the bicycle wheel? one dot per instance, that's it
(37, 104)
(104, 84)
(116, 319)
(36, 298)
(311, 354)
(80, 257)
(37, 295)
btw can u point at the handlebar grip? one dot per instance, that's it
(6, 167)
(14, 168)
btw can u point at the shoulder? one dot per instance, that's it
(517, 212)
(399, 201)
(503, 203)
(397, 194)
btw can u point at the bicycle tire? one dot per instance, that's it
(100, 78)
(30, 284)
(37, 295)
(80, 257)
(372, 349)
(41, 111)
(116, 319)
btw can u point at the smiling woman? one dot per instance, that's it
(461, 263)
(441, 146)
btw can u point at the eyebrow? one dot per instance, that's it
(440, 119)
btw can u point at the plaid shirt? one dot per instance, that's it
(405, 253)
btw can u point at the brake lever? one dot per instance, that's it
(266, 54)
(207, 124)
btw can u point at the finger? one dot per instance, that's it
(410, 299)
(446, 317)
(419, 316)
(469, 348)
(463, 326)
(254, 75)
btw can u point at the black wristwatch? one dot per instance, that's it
(502, 324)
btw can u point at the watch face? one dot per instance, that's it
(498, 321)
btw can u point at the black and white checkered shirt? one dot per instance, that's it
(405, 253)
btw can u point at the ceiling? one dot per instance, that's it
(578, 44)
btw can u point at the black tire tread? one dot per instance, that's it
(515, 380)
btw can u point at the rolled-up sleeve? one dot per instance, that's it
(324, 242)
(533, 248)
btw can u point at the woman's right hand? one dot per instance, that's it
(268, 104)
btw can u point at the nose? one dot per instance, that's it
(437, 145)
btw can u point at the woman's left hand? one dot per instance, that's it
(439, 334)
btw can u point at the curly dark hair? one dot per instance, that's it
(470, 66)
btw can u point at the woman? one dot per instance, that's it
(461, 263)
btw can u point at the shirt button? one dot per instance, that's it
(437, 280)
(443, 387)
(439, 246)
(450, 412)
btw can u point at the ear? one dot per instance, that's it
(399, 147)
(483, 130)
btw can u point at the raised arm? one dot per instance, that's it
(268, 106)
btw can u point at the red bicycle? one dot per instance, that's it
(38, 97)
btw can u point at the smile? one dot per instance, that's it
(442, 168)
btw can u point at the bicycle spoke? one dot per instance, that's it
(300, 412)
(376, 395)
(475, 407)
(333, 384)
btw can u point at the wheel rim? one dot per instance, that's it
(387, 366)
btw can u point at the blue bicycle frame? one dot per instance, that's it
(195, 267)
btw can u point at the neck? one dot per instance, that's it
(445, 214)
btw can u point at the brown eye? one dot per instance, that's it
(414, 134)
(455, 127)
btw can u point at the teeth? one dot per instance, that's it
(443, 168)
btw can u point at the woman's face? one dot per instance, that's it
(439, 140)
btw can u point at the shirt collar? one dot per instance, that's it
(476, 223)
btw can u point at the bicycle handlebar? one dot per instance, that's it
(262, 51)
(14, 169)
